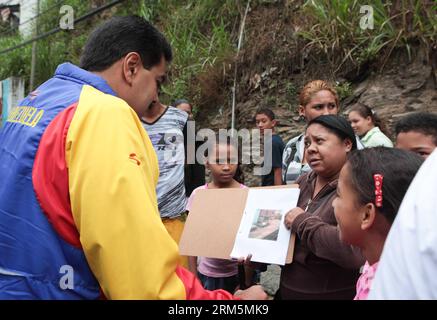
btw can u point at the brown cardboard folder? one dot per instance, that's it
(213, 222)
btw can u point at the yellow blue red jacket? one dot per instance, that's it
(78, 210)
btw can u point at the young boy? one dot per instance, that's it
(265, 119)
(165, 127)
(417, 132)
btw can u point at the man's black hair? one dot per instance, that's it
(266, 111)
(117, 37)
(422, 122)
(181, 101)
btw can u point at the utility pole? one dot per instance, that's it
(33, 63)
(234, 88)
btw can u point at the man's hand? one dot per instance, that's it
(291, 215)
(253, 293)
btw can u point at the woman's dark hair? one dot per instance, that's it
(117, 37)
(365, 111)
(239, 175)
(338, 126)
(398, 168)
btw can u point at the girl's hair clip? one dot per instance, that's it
(378, 178)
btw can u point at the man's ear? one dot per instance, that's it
(131, 65)
(368, 216)
(274, 122)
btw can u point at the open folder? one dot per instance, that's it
(217, 217)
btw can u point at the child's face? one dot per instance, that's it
(417, 142)
(223, 163)
(360, 125)
(347, 210)
(263, 122)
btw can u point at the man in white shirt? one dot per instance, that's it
(408, 265)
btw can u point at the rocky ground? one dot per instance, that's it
(270, 279)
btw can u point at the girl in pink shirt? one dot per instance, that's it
(223, 165)
(370, 190)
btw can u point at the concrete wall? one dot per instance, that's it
(27, 11)
(11, 92)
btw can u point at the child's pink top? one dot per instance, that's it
(212, 267)
(365, 281)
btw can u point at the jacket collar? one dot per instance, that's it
(69, 71)
(370, 133)
(311, 180)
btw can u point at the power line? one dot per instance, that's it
(33, 18)
(42, 13)
(6, 3)
(57, 29)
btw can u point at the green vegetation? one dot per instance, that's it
(199, 32)
(343, 89)
(334, 28)
(203, 35)
(51, 51)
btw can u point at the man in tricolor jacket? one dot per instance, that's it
(78, 209)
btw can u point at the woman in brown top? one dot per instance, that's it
(323, 267)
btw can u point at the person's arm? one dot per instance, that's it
(192, 264)
(112, 177)
(323, 239)
(277, 151)
(192, 260)
(250, 271)
(277, 176)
